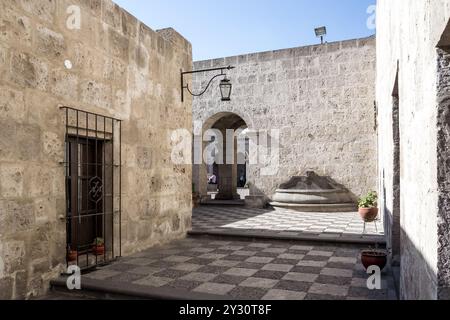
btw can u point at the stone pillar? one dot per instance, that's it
(202, 180)
(256, 199)
(228, 170)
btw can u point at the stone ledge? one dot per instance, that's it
(231, 203)
(341, 207)
(301, 51)
(122, 290)
(257, 235)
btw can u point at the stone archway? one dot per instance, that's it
(226, 160)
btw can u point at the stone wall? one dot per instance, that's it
(320, 97)
(122, 69)
(444, 170)
(407, 45)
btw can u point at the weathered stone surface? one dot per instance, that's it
(144, 157)
(50, 44)
(52, 146)
(39, 181)
(14, 255)
(119, 45)
(42, 9)
(129, 24)
(97, 94)
(28, 71)
(6, 288)
(11, 183)
(12, 105)
(112, 14)
(3, 57)
(176, 223)
(16, 216)
(406, 49)
(20, 288)
(444, 172)
(2, 261)
(320, 98)
(120, 69)
(45, 210)
(64, 84)
(46, 104)
(13, 25)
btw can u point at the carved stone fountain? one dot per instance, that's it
(313, 193)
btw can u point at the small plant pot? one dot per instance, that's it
(368, 214)
(374, 258)
(98, 250)
(72, 256)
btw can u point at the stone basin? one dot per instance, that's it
(313, 193)
(312, 196)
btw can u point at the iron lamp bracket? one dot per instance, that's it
(185, 86)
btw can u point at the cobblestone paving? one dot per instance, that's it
(250, 270)
(285, 222)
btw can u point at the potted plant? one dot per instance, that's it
(374, 257)
(72, 255)
(98, 247)
(368, 209)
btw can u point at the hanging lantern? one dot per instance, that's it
(225, 84)
(225, 89)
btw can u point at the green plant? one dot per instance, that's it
(99, 242)
(373, 249)
(369, 201)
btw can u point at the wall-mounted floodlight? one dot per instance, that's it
(321, 32)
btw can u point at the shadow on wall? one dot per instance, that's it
(418, 281)
(255, 191)
(443, 160)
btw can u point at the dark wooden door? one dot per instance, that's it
(86, 192)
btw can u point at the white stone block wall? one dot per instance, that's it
(408, 33)
(320, 97)
(120, 68)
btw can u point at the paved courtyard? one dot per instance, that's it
(247, 270)
(285, 223)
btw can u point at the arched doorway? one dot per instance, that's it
(225, 146)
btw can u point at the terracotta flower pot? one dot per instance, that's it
(374, 258)
(368, 214)
(99, 250)
(72, 255)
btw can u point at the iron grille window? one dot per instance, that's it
(93, 173)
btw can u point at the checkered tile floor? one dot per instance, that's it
(250, 270)
(285, 222)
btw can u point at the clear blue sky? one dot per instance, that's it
(220, 28)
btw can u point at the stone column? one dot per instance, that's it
(256, 199)
(202, 179)
(228, 170)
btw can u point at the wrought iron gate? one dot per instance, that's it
(93, 172)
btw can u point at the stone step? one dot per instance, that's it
(258, 235)
(112, 290)
(339, 207)
(223, 203)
